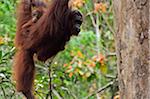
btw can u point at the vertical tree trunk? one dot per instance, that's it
(133, 47)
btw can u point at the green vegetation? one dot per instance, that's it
(86, 65)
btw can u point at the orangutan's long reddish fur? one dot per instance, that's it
(45, 38)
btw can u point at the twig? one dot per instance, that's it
(4, 92)
(57, 94)
(49, 65)
(101, 89)
(41, 67)
(69, 92)
(110, 76)
(38, 93)
(4, 81)
(110, 54)
(91, 16)
(98, 36)
(89, 13)
(109, 26)
(8, 81)
(50, 81)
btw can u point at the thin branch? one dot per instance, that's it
(38, 93)
(89, 13)
(57, 94)
(110, 76)
(3, 92)
(98, 35)
(41, 67)
(91, 16)
(49, 65)
(70, 93)
(109, 26)
(50, 81)
(110, 54)
(101, 89)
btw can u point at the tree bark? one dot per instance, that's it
(133, 47)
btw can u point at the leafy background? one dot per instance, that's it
(86, 69)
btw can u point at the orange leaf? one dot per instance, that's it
(70, 67)
(70, 74)
(1, 40)
(80, 54)
(100, 7)
(92, 64)
(101, 59)
(65, 65)
(77, 3)
(117, 97)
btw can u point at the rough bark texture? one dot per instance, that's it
(133, 47)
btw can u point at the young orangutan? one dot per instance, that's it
(39, 8)
(43, 34)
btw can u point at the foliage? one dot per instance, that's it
(87, 64)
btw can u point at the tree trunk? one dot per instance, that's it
(133, 47)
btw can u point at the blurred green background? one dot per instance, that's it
(86, 66)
